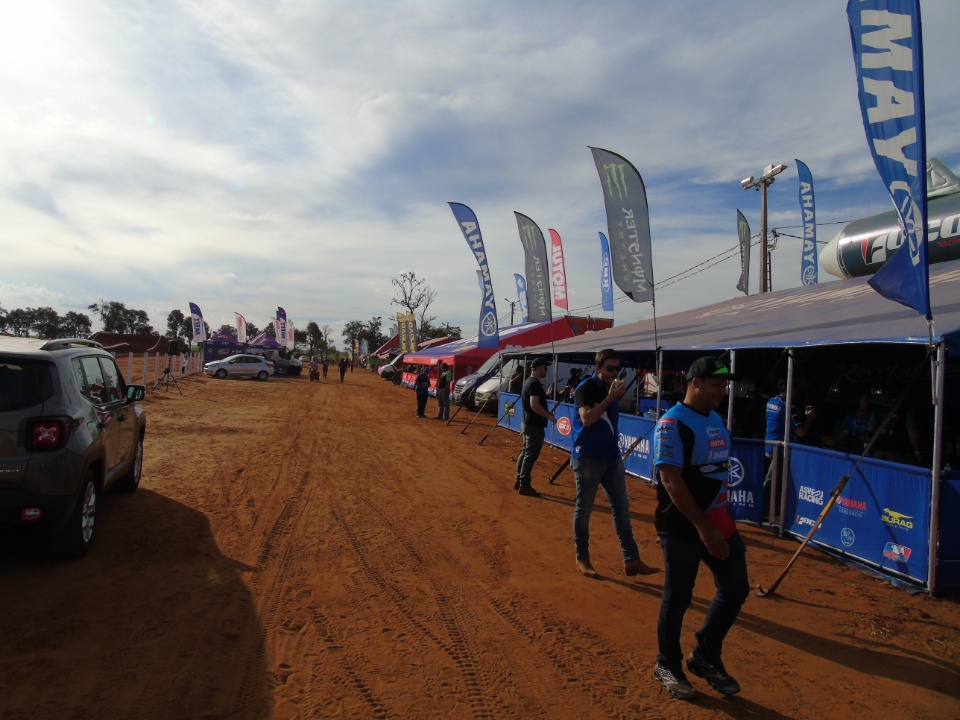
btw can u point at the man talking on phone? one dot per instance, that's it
(596, 462)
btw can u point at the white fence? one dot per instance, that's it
(153, 365)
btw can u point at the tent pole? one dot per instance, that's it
(731, 396)
(938, 367)
(787, 433)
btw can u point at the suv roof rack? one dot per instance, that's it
(65, 343)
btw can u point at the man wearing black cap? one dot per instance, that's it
(533, 425)
(691, 455)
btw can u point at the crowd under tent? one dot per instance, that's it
(832, 343)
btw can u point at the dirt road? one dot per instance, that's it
(313, 550)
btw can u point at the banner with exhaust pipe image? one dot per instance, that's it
(522, 296)
(628, 224)
(535, 269)
(488, 335)
(743, 232)
(606, 280)
(199, 331)
(808, 213)
(888, 55)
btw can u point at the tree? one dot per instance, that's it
(373, 335)
(178, 326)
(116, 317)
(353, 330)
(18, 322)
(74, 324)
(299, 339)
(314, 338)
(415, 296)
(429, 331)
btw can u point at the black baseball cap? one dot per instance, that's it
(710, 367)
(540, 362)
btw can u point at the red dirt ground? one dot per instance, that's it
(313, 550)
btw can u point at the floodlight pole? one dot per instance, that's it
(761, 184)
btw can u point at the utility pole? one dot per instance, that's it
(512, 303)
(761, 184)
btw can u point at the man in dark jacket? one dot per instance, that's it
(533, 425)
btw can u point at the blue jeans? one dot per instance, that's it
(532, 446)
(681, 561)
(443, 400)
(592, 473)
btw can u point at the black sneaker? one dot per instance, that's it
(528, 491)
(713, 673)
(676, 683)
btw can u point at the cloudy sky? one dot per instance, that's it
(245, 154)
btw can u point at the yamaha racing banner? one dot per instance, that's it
(199, 331)
(808, 258)
(535, 269)
(522, 296)
(606, 280)
(743, 232)
(628, 223)
(281, 328)
(557, 271)
(888, 54)
(488, 335)
(241, 328)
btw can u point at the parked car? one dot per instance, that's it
(240, 366)
(464, 388)
(283, 362)
(70, 429)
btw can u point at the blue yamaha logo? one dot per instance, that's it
(847, 537)
(737, 473)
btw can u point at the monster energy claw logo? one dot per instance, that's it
(529, 237)
(616, 180)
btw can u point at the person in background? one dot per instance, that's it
(343, 369)
(854, 432)
(444, 377)
(596, 463)
(314, 370)
(326, 365)
(422, 385)
(691, 458)
(184, 359)
(533, 425)
(776, 413)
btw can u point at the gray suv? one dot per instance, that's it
(70, 429)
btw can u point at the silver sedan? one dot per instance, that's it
(240, 366)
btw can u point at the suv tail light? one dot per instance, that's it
(48, 433)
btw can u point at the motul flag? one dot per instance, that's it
(199, 331)
(536, 272)
(808, 212)
(522, 296)
(606, 280)
(888, 53)
(241, 328)
(628, 223)
(557, 272)
(488, 335)
(743, 231)
(282, 327)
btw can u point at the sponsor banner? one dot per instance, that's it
(535, 269)
(277, 331)
(606, 276)
(745, 483)
(522, 297)
(888, 55)
(241, 328)
(407, 325)
(290, 340)
(883, 503)
(557, 271)
(743, 232)
(199, 331)
(628, 224)
(808, 213)
(489, 330)
(281, 327)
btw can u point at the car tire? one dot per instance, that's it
(131, 480)
(221, 373)
(73, 540)
(262, 375)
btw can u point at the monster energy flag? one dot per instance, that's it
(199, 331)
(808, 258)
(628, 223)
(743, 231)
(606, 282)
(488, 336)
(522, 296)
(888, 54)
(536, 269)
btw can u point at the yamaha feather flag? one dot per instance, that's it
(522, 296)
(557, 271)
(808, 212)
(888, 54)
(488, 335)
(535, 269)
(199, 331)
(628, 222)
(606, 280)
(743, 232)
(241, 328)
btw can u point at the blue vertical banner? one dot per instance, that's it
(888, 54)
(488, 335)
(808, 213)
(281, 327)
(606, 277)
(522, 296)
(196, 317)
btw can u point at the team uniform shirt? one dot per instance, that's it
(699, 445)
(857, 424)
(533, 387)
(776, 409)
(600, 440)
